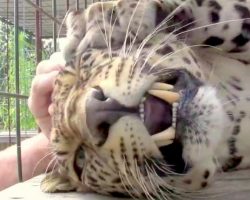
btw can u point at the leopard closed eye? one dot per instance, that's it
(154, 99)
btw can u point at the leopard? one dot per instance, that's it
(154, 100)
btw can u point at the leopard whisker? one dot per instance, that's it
(54, 160)
(157, 30)
(128, 179)
(137, 32)
(209, 25)
(104, 26)
(164, 22)
(124, 180)
(163, 167)
(154, 185)
(123, 49)
(112, 30)
(141, 181)
(198, 28)
(162, 44)
(40, 161)
(163, 58)
(162, 183)
(63, 23)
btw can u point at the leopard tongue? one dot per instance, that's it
(165, 137)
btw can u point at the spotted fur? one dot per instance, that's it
(115, 51)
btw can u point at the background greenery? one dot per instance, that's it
(7, 76)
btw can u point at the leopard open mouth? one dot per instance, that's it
(158, 110)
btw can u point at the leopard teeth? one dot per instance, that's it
(174, 114)
(141, 109)
(167, 96)
(165, 137)
(161, 86)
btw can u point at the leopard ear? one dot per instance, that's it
(76, 29)
(55, 182)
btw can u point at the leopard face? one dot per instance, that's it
(136, 122)
(134, 117)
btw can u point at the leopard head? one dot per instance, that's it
(134, 118)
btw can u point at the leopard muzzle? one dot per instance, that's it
(158, 110)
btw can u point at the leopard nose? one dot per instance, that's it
(102, 112)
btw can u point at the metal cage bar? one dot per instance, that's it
(38, 34)
(54, 26)
(18, 128)
(77, 4)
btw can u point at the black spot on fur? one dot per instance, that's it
(112, 17)
(101, 178)
(86, 56)
(236, 87)
(246, 30)
(160, 14)
(242, 114)
(206, 174)
(184, 20)
(186, 60)
(98, 163)
(204, 184)
(232, 163)
(214, 41)
(240, 40)
(236, 130)
(226, 27)
(93, 168)
(215, 5)
(165, 50)
(232, 146)
(199, 2)
(188, 181)
(133, 5)
(230, 115)
(61, 153)
(92, 179)
(118, 194)
(116, 180)
(214, 17)
(242, 10)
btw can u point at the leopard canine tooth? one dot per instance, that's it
(161, 86)
(165, 137)
(167, 96)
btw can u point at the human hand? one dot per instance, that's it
(39, 101)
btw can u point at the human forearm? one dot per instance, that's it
(35, 159)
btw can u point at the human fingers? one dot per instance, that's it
(40, 95)
(51, 109)
(56, 62)
(47, 66)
